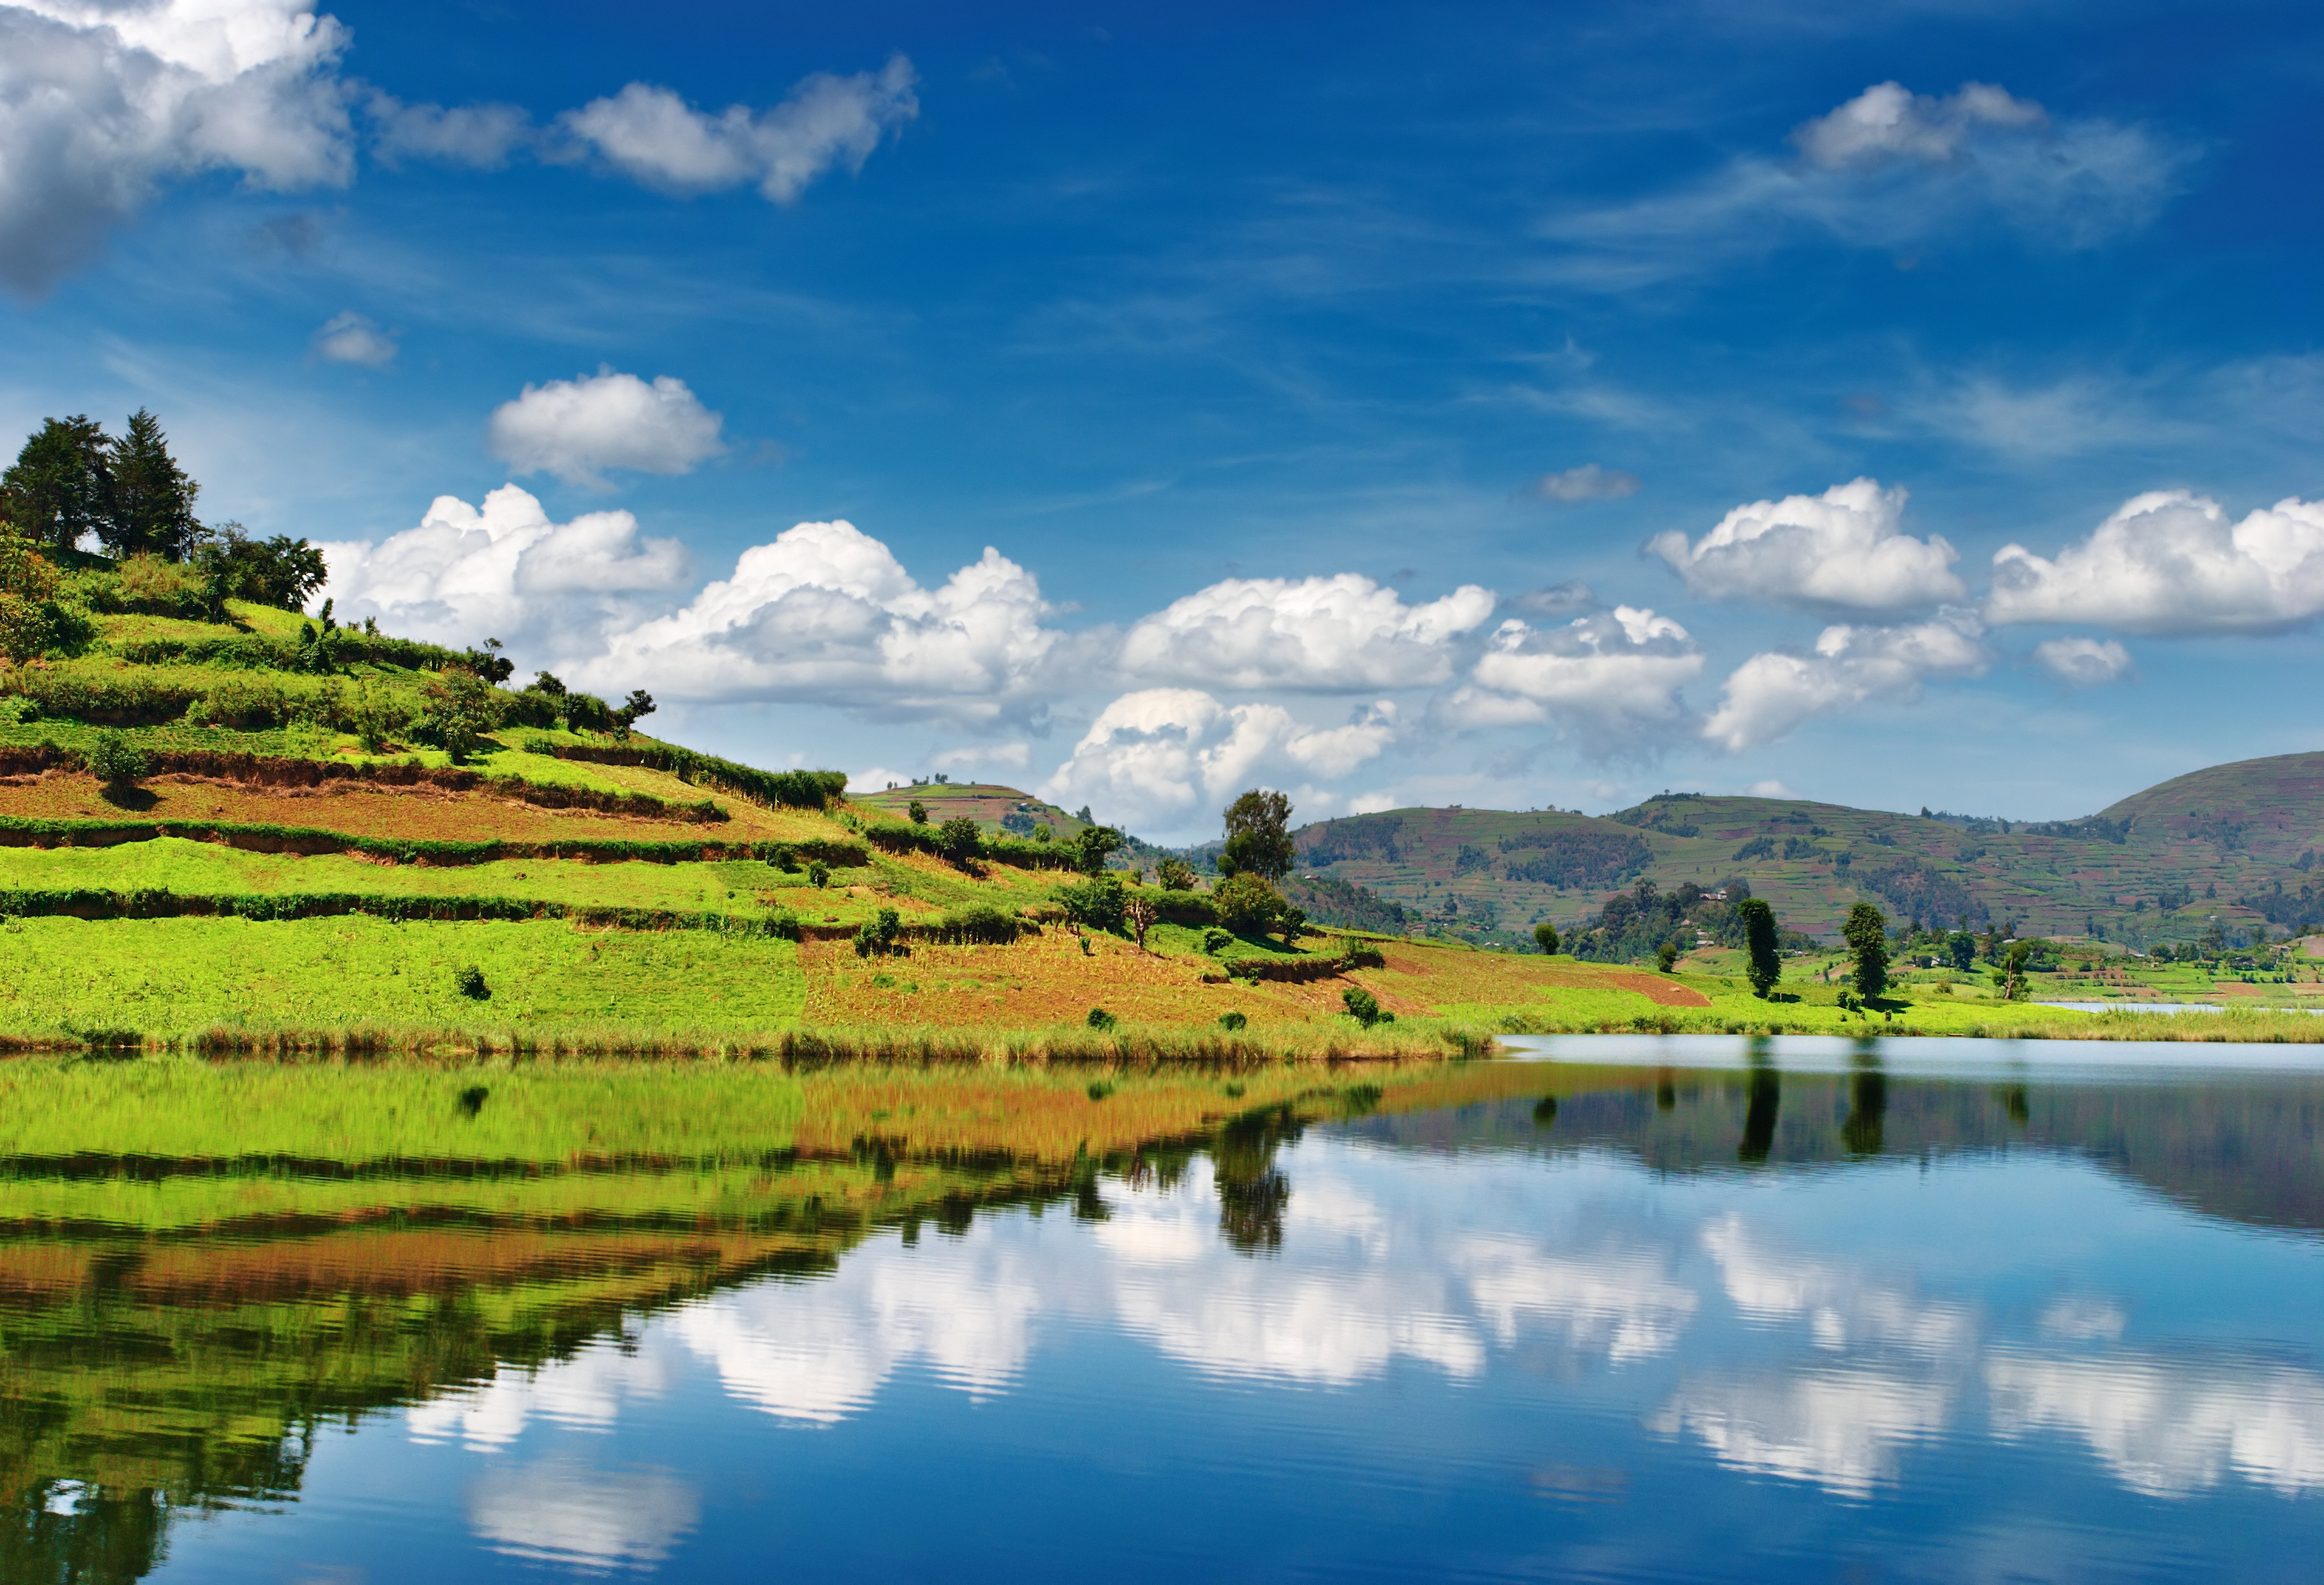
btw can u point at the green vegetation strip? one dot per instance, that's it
(158, 903)
(26, 830)
(783, 789)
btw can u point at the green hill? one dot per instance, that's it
(2230, 846)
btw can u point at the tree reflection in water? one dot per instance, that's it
(1252, 1194)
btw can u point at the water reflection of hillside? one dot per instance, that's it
(2244, 1149)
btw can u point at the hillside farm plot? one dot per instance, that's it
(165, 978)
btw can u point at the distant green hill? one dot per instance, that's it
(2232, 845)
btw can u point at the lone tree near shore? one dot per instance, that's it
(1545, 936)
(1258, 836)
(1759, 945)
(1867, 934)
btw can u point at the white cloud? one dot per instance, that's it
(1014, 756)
(2169, 562)
(1845, 548)
(575, 428)
(1328, 633)
(826, 614)
(651, 135)
(1887, 122)
(1891, 168)
(2084, 662)
(481, 135)
(1770, 695)
(102, 104)
(1770, 789)
(1153, 756)
(1587, 482)
(1612, 677)
(2168, 1427)
(348, 338)
(551, 590)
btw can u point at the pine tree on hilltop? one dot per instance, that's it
(149, 501)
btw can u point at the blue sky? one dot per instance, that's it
(1393, 404)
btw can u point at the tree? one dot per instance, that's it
(639, 703)
(1545, 936)
(55, 491)
(1092, 846)
(459, 710)
(281, 572)
(149, 501)
(1258, 836)
(1759, 945)
(918, 812)
(1140, 913)
(958, 839)
(30, 616)
(1867, 934)
(1174, 874)
(1293, 923)
(1364, 1007)
(115, 761)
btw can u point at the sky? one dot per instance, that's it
(1520, 407)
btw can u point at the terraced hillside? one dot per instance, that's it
(2231, 846)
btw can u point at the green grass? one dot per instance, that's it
(178, 978)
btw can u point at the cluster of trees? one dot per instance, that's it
(1258, 853)
(73, 479)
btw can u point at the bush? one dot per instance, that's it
(959, 840)
(1174, 874)
(918, 812)
(1246, 905)
(587, 713)
(784, 857)
(980, 924)
(1232, 1022)
(460, 708)
(1099, 1019)
(1098, 903)
(819, 873)
(1545, 936)
(470, 983)
(1364, 1007)
(1215, 940)
(879, 936)
(163, 588)
(115, 760)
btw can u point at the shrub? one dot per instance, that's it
(879, 936)
(164, 588)
(469, 983)
(460, 708)
(918, 812)
(1246, 905)
(784, 857)
(587, 713)
(115, 760)
(1099, 1019)
(1232, 1022)
(1667, 955)
(1545, 936)
(1293, 923)
(1364, 1007)
(959, 840)
(819, 873)
(980, 924)
(1041, 833)
(1174, 874)
(1215, 940)
(1098, 903)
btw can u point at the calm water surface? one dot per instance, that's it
(1653, 1310)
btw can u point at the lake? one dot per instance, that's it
(1623, 1308)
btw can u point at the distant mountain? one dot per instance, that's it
(2232, 846)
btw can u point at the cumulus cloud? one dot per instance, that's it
(575, 428)
(102, 104)
(654, 137)
(2084, 662)
(2170, 562)
(1612, 677)
(505, 570)
(1770, 695)
(1844, 549)
(1587, 482)
(1156, 755)
(1337, 632)
(1890, 168)
(826, 614)
(349, 338)
(579, 1518)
